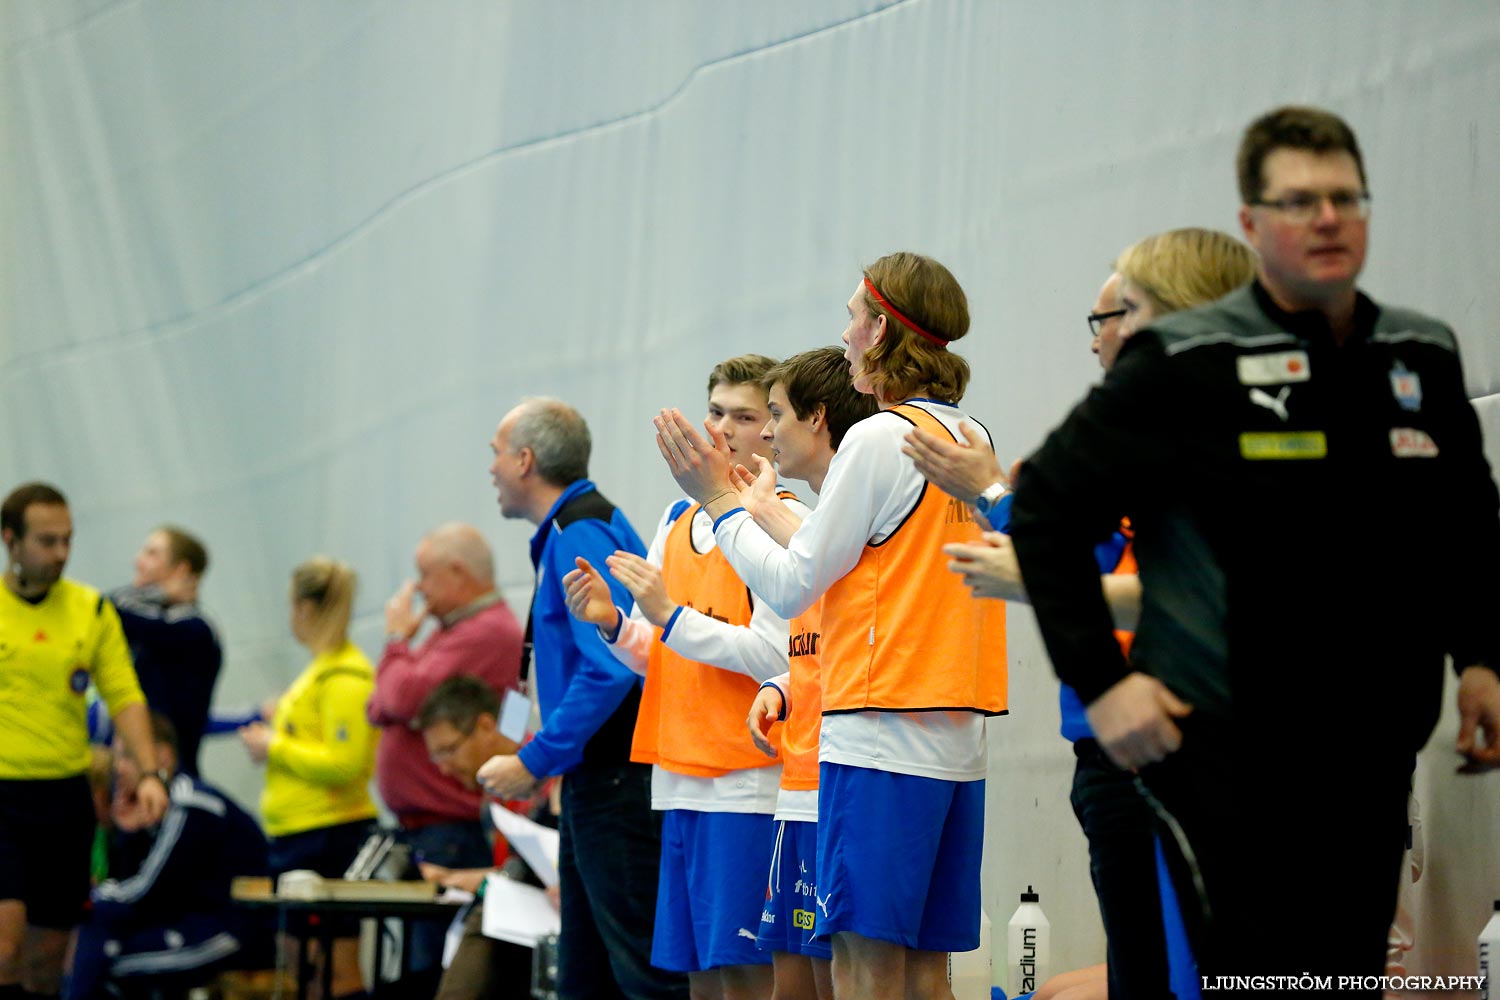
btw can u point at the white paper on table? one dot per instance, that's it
(537, 844)
(516, 912)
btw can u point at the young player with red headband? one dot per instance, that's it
(910, 664)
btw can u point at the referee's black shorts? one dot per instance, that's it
(46, 840)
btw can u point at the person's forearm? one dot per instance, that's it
(592, 696)
(405, 678)
(632, 642)
(133, 722)
(323, 763)
(777, 521)
(757, 650)
(1064, 588)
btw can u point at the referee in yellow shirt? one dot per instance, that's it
(56, 637)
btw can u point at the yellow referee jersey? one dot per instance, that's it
(49, 653)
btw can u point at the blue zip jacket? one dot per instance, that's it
(581, 689)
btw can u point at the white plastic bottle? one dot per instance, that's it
(1026, 953)
(1489, 956)
(969, 972)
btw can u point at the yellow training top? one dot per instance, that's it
(49, 652)
(323, 751)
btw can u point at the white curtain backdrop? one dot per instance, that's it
(273, 270)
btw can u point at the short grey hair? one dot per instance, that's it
(463, 544)
(558, 437)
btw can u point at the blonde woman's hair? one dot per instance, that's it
(329, 585)
(904, 363)
(1185, 268)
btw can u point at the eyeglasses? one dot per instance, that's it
(1097, 320)
(1304, 206)
(438, 754)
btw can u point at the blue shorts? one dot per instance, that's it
(787, 922)
(898, 857)
(712, 886)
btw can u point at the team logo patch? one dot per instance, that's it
(78, 680)
(1406, 386)
(1273, 369)
(1408, 442)
(1286, 445)
(803, 919)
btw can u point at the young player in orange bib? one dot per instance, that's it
(704, 643)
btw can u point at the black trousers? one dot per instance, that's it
(1285, 858)
(1121, 831)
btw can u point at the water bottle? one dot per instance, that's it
(969, 973)
(1026, 953)
(1489, 956)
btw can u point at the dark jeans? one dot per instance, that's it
(452, 845)
(609, 856)
(1121, 831)
(1296, 845)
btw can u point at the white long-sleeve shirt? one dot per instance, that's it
(870, 489)
(757, 650)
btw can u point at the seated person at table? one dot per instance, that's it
(457, 723)
(164, 919)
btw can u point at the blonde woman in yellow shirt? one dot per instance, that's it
(319, 749)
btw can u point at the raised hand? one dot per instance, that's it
(588, 595)
(961, 471)
(401, 619)
(700, 466)
(989, 568)
(645, 583)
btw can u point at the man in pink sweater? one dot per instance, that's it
(476, 635)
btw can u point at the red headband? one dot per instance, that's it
(905, 320)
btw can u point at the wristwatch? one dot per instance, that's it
(160, 774)
(991, 496)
